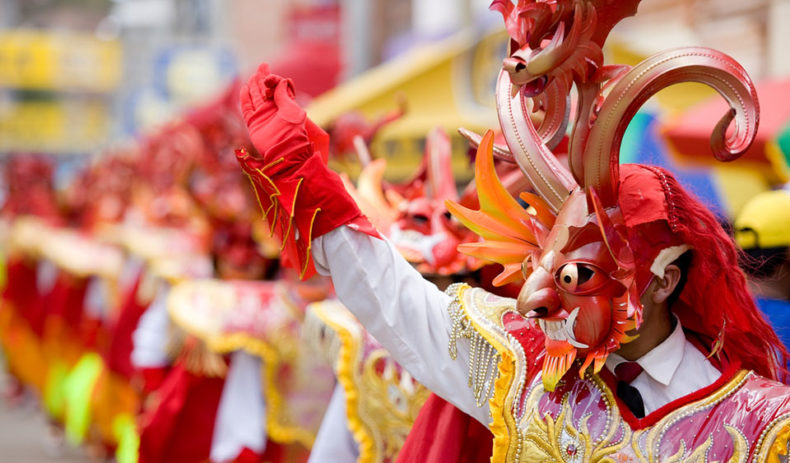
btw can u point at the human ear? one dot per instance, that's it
(664, 286)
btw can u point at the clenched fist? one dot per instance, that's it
(278, 126)
(300, 197)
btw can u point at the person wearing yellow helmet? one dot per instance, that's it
(762, 230)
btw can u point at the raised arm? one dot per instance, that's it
(404, 312)
(321, 227)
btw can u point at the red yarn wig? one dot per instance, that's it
(715, 303)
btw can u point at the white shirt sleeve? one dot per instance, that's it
(240, 421)
(152, 335)
(404, 312)
(335, 442)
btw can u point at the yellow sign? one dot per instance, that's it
(33, 60)
(53, 127)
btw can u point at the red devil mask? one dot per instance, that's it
(589, 243)
(413, 215)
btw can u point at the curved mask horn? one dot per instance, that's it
(693, 64)
(551, 180)
(438, 151)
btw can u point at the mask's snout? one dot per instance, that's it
(538, 298)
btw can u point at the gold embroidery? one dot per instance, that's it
(523, 434)
(382, 400)
(654, 436)
(391, 402)
(774, 443)
(485, 321)
(294, 379)
(544, 438)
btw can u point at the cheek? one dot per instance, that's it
(593, 321)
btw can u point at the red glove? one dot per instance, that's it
(300, 197)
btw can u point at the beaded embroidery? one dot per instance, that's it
(580, 421)
(483, 357)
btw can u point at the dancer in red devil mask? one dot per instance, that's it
(634, 336)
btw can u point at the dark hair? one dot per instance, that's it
(684, 263)
(763, 262)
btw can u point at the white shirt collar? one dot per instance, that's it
(662, 361)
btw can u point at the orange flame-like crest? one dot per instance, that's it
(510, 231)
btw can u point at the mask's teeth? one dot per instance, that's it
(553, 330)
(567, 328)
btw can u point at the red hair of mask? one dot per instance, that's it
(715, 304)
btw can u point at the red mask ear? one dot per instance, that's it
(615, 242)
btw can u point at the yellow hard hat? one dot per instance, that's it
(764, 221)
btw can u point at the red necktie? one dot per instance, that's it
(625, 373)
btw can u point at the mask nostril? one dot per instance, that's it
(539, 312)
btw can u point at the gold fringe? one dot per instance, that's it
(483, 357)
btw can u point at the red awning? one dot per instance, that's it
(689, 134)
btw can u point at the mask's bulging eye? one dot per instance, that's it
(578, 277)
(569, 277)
